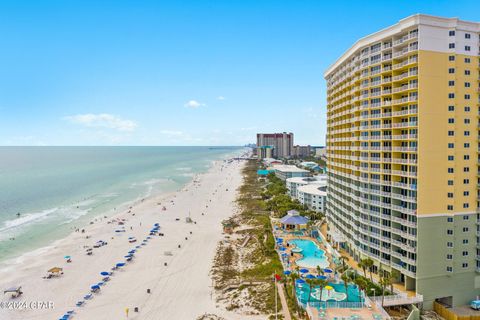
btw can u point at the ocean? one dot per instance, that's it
(45, 192)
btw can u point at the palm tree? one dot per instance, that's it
(346, 280)
(343, 259)
(310, 283)
(384, 282)
(394, 274)
(362, 264)
(320, 271)
(369, 265)
(361, 285)
(322, 284)
(293, 277)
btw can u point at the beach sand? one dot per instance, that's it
(180, 290)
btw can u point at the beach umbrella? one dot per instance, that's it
(157, 225)
(101, 283)
(104, 273)
(303, 270)
(131, 251)
(327, 270)
(120, 264)
(284, 254)
(310, 276)
(321, 277)
(287, 272)
(128, 256)
(67, 257)
(130, 238)
(300, 281)
(282, 249)
(138, 247)
(149, 237)
(95, 287)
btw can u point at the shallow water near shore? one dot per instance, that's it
(46, 192)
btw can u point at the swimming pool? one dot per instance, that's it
(313, 256)
(335, 294)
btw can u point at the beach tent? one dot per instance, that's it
(55, 270)
(15, 291)
(293, 221)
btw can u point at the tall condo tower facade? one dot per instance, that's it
(278, 145)
(402, 147)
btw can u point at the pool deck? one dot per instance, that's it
(331, 313)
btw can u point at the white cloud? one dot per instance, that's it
(194, 104)
(220, 98)
(103, 120)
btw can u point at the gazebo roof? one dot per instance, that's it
(293, 217)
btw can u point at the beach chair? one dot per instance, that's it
(80, 303)
(88, 296)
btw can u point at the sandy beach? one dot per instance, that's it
(174, 267)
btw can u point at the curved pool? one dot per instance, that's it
(313, 256)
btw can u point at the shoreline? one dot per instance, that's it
(84, 221)
(33, 266)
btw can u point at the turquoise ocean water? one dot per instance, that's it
(57, 188)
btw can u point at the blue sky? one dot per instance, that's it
(179, 72)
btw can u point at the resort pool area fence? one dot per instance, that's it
(332, 304)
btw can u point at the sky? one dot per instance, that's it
(179, 72)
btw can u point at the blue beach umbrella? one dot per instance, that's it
(104, 273)
(321, 277)
(95, 287)
(300, 281)
(327, 270)
(287, 272)
(131, 251)
(303, 270)
(128, 256)
(157, 225)
(120, 264)
(310, 276)
(282, 249)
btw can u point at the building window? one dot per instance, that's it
(466, 121)
(464, 265)
(451, 95)
(465, 217)
(450, 207)
(467, 60)
(449, 219)
(451, 83)
(451, 145)
(467, 35)
(466, 181)
(451, 70)
(465, 229)
(465, 205)
(466, 193)
(449, 256)
(464, 253)
(467, 84)
(466, 157)
(466, 169)
(467, 72)
(465, 241)
(451, 108)
(451, 58)
(450, 244)
(451, 45)
(450, 232)
(466, 145)
(451, 133)
(467, 109)
(449, 269)
(467, 97)
(451, 33)
(450, 182)
(467, 48)
(466, 133)
(450, 195)
(450, 158)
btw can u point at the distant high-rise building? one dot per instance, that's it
(277, 145)
(402, 143)
(301, 151)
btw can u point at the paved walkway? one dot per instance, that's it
(283, 301)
